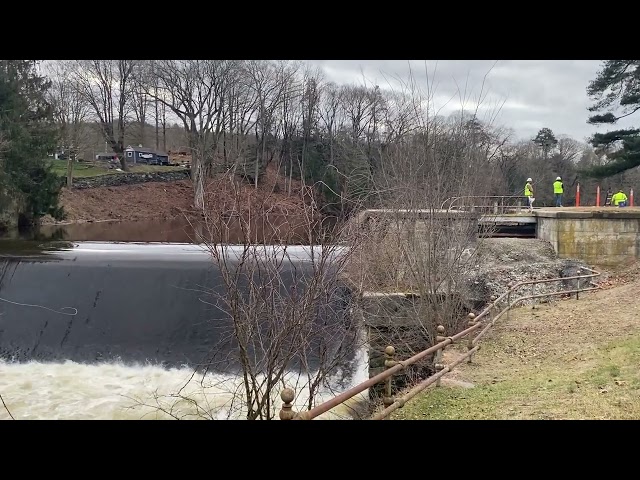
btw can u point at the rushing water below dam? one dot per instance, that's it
(97, 329)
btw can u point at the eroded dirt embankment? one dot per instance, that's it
(165, 200)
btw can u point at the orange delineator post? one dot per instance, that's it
(578, 195)
(631, 197)
(598, 196)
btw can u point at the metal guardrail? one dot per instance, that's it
(483, 322)
(497, 204)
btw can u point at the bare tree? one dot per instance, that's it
(140, 101)
(71, 112)
(328, 112)
(6, 408)
(410, 244)
(107, 86)
(399, 116)
(507, 162)
(270, 82)
(240, 116)
(286, 309)
(194, 90)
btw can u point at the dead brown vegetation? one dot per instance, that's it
(165, 200)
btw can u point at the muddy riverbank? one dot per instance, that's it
(172, 199)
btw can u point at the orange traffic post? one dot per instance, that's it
(578, 195)
(598, 196)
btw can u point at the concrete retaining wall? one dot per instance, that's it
(599, 237)
(393, 319)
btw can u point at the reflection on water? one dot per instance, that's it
(174, 231)
(279, 229)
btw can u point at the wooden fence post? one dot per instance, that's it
(389, 354)
(491, 313)
(533, 292)
(472, 322)
(578, 289)
(286, 411)
(438, 357)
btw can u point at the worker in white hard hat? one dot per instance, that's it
(558, 190)
(528, 192)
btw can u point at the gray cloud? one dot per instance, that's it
(526, 94)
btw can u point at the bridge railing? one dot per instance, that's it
(478, 327)
(492, 204)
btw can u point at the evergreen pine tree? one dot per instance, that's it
(27, 136)
(616, 87)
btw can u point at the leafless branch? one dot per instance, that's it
(6, 408)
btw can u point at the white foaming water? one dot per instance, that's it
(52, 391)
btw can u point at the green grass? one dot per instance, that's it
(605, 387)
(80, 170)
(85, 170)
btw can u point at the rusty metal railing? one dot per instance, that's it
(483, 322)
(496, 204)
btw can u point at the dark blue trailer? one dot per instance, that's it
(149, 156)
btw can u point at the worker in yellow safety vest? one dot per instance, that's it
(619, 199)
(558, 190)
(528, 192)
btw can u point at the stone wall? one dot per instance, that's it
(607, 238)
(396, 319)
(117, 179)
(389, 236)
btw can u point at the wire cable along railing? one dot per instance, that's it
(478, 327)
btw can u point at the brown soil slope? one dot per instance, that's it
(164, 200)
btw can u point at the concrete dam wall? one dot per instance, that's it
(135, 303)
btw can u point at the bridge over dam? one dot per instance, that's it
(605, 236)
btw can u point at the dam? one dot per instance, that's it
(606, 236)
(121, 316)
(137, 303)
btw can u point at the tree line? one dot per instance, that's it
(349, 141)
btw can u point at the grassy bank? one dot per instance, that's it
(608, 389)
(573, 360)
(84, 170)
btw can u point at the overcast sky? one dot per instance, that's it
(532, 94)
